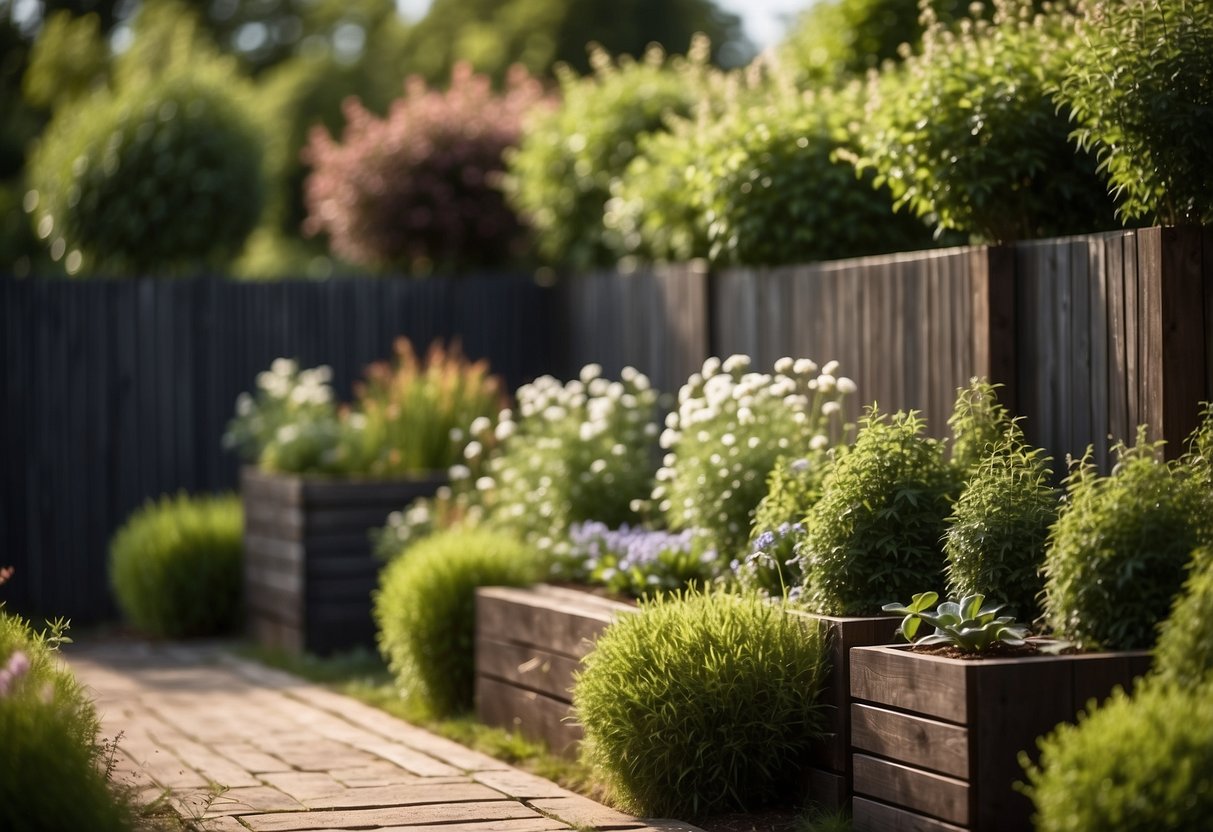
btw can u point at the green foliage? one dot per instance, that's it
(290, 424)
(1117, 553)
(700, 703)
(67, 61)
(999, 528)
(978, 423)
(993, 158)
(175, 566)
(160, 178)
(1184, 653)
(875, 533)
(793, 487)
(425, 610)
(560, 176)
(634, 562)
(1139, 90)
(51, 773)
(731, 426)
(1140, 764)
(772, 567)
(419, 189)
(1198, 454)
(969, 625)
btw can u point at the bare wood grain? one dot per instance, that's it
(945, 798)
(913, 740)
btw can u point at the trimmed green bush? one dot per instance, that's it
(966, 135)
(999, 528)
(874, 536)
(164, 177)
(175, 566)
(425, 609)
(1184, 653)
(1140, 764)
(51, 777)
(1139, 90)
(1118, 551)
(700, 703)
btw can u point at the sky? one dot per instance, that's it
(764, 20)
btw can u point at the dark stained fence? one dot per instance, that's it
(117, 392)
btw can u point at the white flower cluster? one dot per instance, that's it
(731, 425)
(291, 419)
(285, 382)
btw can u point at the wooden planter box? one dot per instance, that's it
(936, 740)
(308, 566)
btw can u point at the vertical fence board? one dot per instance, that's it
(1097, 413)
(1114, 275)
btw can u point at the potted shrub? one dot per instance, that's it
(325, 476)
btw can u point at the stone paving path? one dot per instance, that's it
(238, 746)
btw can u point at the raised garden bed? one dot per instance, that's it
(308, 566)
(936, 740)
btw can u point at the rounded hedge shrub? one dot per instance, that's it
(561, 173)
(874, 536)
(1118, 551)
(175, 566)
(163, 177)
(965, 134)
(700, 703)
(1140, 764)
(51, 772)
(1140, 94)
(1184, 653)
(420, 189)
(999, 528)
(425, 609)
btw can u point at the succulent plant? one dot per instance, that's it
(969, 624)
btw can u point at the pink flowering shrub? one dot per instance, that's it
(419, 188)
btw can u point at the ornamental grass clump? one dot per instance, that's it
(731, 427)
(1119, 548)
(999, 527)
(635, 562)
(701, 703)
(175, 566)
(420, 189)
(966, 136)
(874, 536)
(1134, 764)
(1138, 87)
(568, 453)
(425, 610)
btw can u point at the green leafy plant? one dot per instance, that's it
(700, 703)
(419, 189)
(970, 624)
(288, 404)
(636, 562)
(1139, 764)
(175, 566)
(425, 609)
(560, 175)
(1138, 89)
(966, 136)
(875, 533)
(978, 423)
(1184, 653)
(160, 178)
(1118, 550)
(772, 566)
(731, 427)
(999, 528)
(1198, 455)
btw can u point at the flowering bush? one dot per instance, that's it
(772, 566)
(406, 418)
(731, 427)
(634, 561)
(419, 188)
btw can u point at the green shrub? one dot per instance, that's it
(560, 175)
(1184, 653)
(1117, 553)
(731, 426)
(175, 566)
(1198, 454)
(874, 536)
(425, 609)
(163, 177)
(52, 775)
(993, 158)
(999, 528)
(978, 423)
(1140, 94)
(419, 189)
(700, 703)
(1140, 764)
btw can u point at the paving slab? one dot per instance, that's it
(234, 746)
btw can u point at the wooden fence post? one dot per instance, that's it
(995, 356)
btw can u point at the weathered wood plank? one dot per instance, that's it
(945, 798)
(1098, 380)
(532, 714)
(870, 816)
(529, 667)
(912, 740)
(1080, 324)
(930, 688)
(568, 628)
(827, 789)
(1150, 334)
(1133, 335)
(1114, 275)
(1183, 337)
